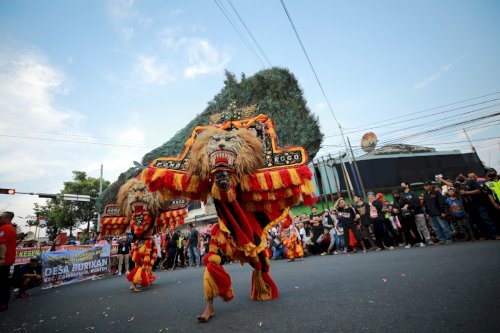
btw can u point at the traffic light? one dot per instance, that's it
(7, 191)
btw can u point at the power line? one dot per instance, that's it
(429, 109)
(59, 134)
(431, 132)
(310, 63)
(243, 38)
(73, 141)
(248, 31)
(426, 116)
(412, 136)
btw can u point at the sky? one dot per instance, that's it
(87, 82)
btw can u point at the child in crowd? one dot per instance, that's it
(456, 210)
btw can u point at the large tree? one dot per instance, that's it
(276, 93)
(63, 214)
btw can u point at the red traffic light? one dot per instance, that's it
(7, 191)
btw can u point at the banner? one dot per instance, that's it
(23, 254)
(65, 267)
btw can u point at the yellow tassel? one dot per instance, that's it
(260, 287)
(192, 185)
(262, 181)
(231, 195)
(257, 196)
(276, 179)
(215, 192)
(215, 259)
(213, 248)
(249, 206)
(307, 187)
(209, 286)
(294, 176)
(137, 276)
(178, 181)
(157, 174)
(245, 183)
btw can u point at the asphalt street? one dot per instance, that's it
(447, 288)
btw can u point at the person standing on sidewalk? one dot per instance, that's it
(7, 256)
(193, 252)
(123, 254)
(435, 208)
(365, 223)
(413, 214)
(172, 240)
(382, 238)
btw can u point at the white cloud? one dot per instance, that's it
(441, 71)
(149, 70)
(203, 58)
(28, 84)
(126, 18)
(196, 56)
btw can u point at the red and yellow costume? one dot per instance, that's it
(290, 239)
(252, 182)
(143, 212)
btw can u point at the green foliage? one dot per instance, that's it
(276, 93)
(61, 214)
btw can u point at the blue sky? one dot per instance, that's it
(90, 82)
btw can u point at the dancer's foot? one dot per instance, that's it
(135, 289)
(208, 313)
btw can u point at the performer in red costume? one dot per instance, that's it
(252, 182)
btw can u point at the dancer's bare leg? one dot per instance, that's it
(134, 288)
(208, 313)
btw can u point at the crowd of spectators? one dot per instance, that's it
(464, 208)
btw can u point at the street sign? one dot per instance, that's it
(47, 195)
(76, 197)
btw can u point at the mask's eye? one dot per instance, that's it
(216, 138)
(229, 138)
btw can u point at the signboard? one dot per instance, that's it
(64, 267)
(23, 254)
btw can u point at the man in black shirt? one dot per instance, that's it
(479, 198)
(347, 216)
(172, 239)
(124, 248)
(193, 251)
(434, 203)
(31, 277)
(377, 218)
(409, 204)
(364, 221)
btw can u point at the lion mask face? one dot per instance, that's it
(134, 196)
(236, 151)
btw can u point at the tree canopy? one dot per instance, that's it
(62, 214)
(275, 92)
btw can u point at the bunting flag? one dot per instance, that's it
(112, 222)
(171, 219)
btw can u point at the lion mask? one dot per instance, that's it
(134, 195)
(237, 151)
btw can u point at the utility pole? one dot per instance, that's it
(473, 148)
(335, 177)
(99, 213)
(357, 170)
(328, 180)
(347, 180)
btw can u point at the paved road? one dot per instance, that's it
(453, 288)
